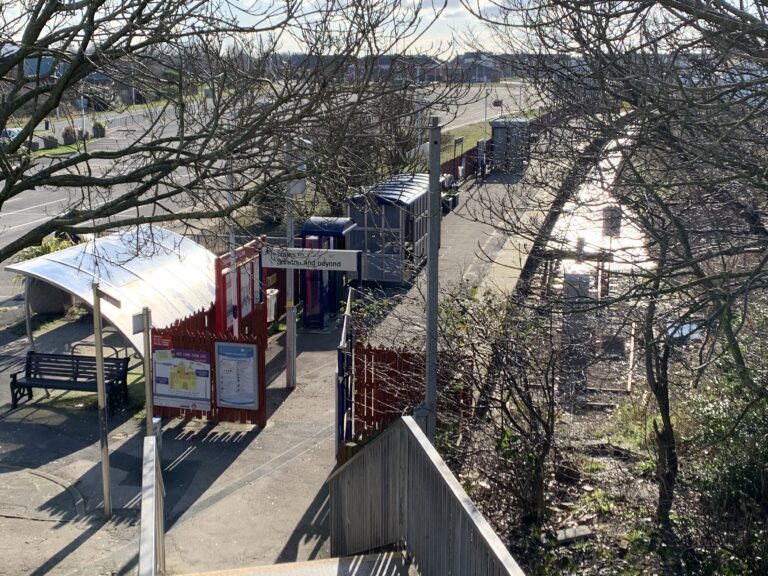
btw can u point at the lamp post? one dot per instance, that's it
(295, 160)
(82, 117)
(433, 248)
(485, 124)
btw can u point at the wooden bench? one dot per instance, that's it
(70, 372)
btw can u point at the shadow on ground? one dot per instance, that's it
(314, 525)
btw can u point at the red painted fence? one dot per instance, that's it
(390, 383)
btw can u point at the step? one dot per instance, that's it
(384, 564)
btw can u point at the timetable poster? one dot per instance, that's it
(237, 375)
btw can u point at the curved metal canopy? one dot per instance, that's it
(144, 266)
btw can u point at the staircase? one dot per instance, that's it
(384, 564)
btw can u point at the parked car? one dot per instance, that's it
(9, 133)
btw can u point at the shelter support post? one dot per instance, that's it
(28, 314)
(290, 307)
(102, 399)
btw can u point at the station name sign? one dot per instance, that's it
(310, 259)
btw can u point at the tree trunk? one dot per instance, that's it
(666, 473)
(657, 374)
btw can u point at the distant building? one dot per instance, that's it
(475, 67)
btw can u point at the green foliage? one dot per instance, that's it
(635, 427)
(730, 468)
(597, 501)
(69, 135)
(47, 246)
(645, 468)
(99, 129)
(734, 467)
(639, 540)
(592, 466)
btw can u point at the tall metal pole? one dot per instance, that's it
(82, 117)
(433, 247)
(485, 124)
(148, 379)
(102, 399)
(233, 291)
(290, 308)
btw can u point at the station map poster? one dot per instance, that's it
(182, 378)
(237, 375)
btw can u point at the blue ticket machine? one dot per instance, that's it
(323, 291)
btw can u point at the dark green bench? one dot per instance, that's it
(70, 372)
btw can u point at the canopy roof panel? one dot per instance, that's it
(144, 266)
(327, 226)
(401, 189)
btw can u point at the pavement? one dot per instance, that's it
(237, 495)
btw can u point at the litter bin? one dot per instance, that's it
(271, 303)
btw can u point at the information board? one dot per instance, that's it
(182, 378)
(237, 376)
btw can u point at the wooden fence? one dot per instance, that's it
(387, 385)
(398, 491)
(390, 383)
(471, 164)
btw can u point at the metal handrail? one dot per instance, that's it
(152, 541)
(76, 345)
(347, 319)
(343, 365)
(398, 491)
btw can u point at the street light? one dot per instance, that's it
(82, 117)
(485, 123)
(295, 160)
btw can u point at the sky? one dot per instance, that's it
(454, 22)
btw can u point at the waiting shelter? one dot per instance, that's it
(512, 139)
(391, 228)
(144, 266)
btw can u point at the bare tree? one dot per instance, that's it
(504, 443)
(222, 99)
(676, 91)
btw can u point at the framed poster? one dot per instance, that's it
(237, 376)
(246, 289)
(228, 298)
(182, 379)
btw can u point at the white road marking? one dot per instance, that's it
(20, 210)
